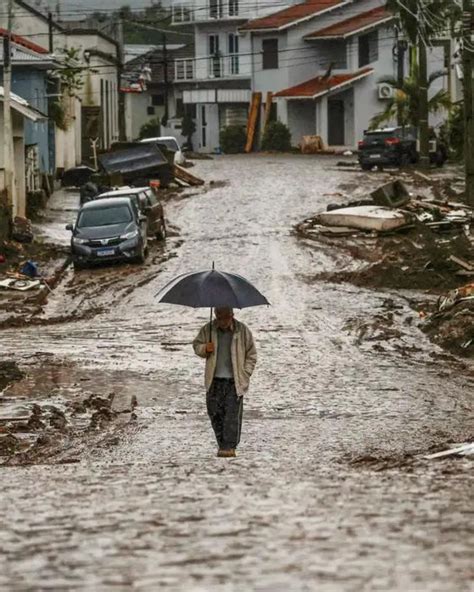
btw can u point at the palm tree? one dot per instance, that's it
(406, 99)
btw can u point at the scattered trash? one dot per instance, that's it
(455, 296)
(17, 284)
(392, 195)
(348, 153)
(186, 177)
(22, 230)
(466, 449)
(30, 269)
(2, 259)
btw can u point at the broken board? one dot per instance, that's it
(185, 176)
(253, 120)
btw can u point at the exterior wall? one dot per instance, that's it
(101, 82)
(19, 161)
(31, 85)
(136, 105)
(301, 120)
(199, 9)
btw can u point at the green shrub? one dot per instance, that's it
(276, 137)
(233, 139)
(150, 129)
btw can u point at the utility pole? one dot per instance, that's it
(423, 113)
(120, 94)
(164, 120)
(401, 49)
(468, 63)
(50, 33)
(8, 164)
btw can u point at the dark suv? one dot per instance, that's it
(396, 146)
(108, 229)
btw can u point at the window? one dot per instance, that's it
(215, 61)
(233, 7)
(216, 8)
(233, 54)
(270, 54)
(157, 100)
(150, 110)
(368, 48)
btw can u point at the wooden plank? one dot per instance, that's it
(465, 264)
(186, 176)
(253, 120)
(268, 111)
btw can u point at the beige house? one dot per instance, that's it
(20, 110)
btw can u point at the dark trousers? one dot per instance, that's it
(225, 411)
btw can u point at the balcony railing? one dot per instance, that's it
(214, 10)
(184, 69)
(217, 67)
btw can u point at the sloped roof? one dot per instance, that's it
(319, 86)
(24, 42)
(21, 56)
(351, 26)
(23, 107)
(292, 15)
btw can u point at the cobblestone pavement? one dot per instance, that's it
(321, 496)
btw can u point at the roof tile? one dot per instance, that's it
(352, 25)
(288, 16)
(320, 85)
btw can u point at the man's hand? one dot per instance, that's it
(209, 348)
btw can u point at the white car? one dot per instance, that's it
(171, 143)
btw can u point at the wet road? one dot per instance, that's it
(342, 376)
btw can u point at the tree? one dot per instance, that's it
(232, 139)
(150, 129)
(406, 100)
(421, 22)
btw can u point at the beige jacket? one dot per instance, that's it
(243, 352)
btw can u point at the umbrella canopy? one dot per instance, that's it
(211, 289)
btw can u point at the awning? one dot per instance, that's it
(353, 26)
(23, 107)
(321, 85)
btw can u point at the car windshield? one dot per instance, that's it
(171, 144)
(104, 216)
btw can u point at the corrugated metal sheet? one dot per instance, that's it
(234, 115)
(23, 56)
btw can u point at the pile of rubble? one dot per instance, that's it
(408, 242)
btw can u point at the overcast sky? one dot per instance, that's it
(80, 5)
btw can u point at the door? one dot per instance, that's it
(336, 131)
(203, 127)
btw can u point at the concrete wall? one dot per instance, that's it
(19, 196)
(301, 120)
(199, 9)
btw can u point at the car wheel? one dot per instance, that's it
(77, 265)
(404, 160)
(439, 159)
(365, 166)
(161, 234)
(142, 255)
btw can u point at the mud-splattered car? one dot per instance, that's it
(107, 230)
(147, 203)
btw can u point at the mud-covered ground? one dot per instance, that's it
(330, 490)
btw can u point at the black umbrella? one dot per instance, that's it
(211, 289)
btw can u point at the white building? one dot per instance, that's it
(323, 59)
(218, 81)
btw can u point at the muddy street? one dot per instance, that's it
(330, 490)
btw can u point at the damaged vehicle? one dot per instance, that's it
(136, 165)
(396, 147)
(171, 144)
(147, 203)
(110, 229)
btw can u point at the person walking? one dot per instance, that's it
(231, 356)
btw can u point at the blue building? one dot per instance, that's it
(31, 67)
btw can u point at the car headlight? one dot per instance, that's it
(129, 235)
(79, 241)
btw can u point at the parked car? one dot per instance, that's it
(396, 146)
(107, 230)
(171, 144)
(145, 200)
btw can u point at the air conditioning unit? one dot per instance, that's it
(385, 91)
